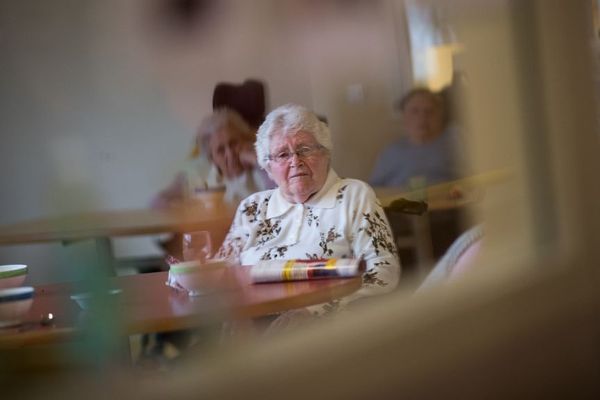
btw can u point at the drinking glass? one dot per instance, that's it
(197, 246)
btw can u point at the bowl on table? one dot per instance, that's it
(199, 278)
(15, 302)
(12, 275)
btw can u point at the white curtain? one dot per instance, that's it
(432, 43)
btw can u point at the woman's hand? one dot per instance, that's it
(233, 160)
(247, 155)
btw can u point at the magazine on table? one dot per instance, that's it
(309, 269)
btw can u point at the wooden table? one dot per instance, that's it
(447, 195)
(147, 305)
(100, 226)
(440, 198)
(188, 217)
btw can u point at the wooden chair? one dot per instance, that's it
(410, 225)
(454, 257)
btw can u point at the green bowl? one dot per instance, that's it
(12, 275)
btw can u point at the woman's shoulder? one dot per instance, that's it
(256, 199)
(356, 187)
(254, 207)
(259, 196)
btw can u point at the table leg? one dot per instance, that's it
(105, 255)
(95, 255)
(423, 244)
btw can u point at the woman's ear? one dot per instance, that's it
(268, 170)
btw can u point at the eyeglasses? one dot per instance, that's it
(302, 152)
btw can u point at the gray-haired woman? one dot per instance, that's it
(222, 158)
(312, 213)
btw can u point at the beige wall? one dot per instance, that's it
(306, 52)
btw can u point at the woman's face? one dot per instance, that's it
(225, 147)
(423, 118)
(298, 165)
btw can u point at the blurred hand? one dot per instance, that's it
(233, 160)
(228, 162)
(232, 151)
(247, 155)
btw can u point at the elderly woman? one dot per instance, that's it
(430, 150)
(312, 213)
(228, 162)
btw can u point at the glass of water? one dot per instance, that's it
(197, 246)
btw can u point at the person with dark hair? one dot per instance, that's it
(428, 153)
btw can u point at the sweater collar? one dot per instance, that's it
(324, 198)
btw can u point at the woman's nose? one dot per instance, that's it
(295, 159)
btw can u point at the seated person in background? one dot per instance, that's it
(430, 152)
(427, 153)
(312, 213)
(228, 164)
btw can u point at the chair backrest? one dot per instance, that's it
(247, 98)
(453, 259)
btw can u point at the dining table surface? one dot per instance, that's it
(143, 303)
(447, 195)
(430, 208)
(185, 217)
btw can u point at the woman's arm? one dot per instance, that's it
(374, 242)
(235, 240)
(370, 238)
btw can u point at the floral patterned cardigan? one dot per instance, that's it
(343, 220)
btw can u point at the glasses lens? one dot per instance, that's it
(301, 152)
(305, 151)
(282, 157)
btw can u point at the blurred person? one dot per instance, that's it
(427, 153)
(228, 162)
(313, 213)
(430, 152)
(222, 159)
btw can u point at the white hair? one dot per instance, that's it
(221, 118)
(288, 120)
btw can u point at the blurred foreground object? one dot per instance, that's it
(146, 304)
